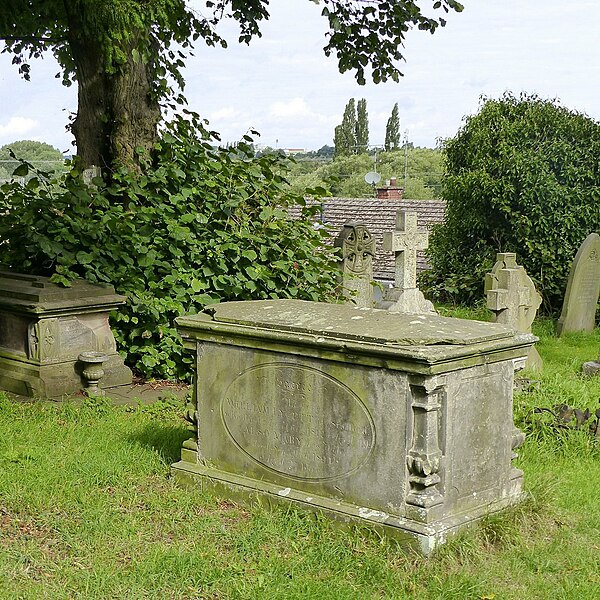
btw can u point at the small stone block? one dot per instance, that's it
(591, 368)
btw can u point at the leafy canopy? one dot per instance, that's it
(344, 176)
(522, 176)
(42, 155)
(362, 35)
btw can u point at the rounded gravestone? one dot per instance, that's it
(583, 289)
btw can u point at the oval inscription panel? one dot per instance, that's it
(298, 421)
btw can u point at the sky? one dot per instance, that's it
(283, 85)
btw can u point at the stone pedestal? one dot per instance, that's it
(400, 422)
(43, 329)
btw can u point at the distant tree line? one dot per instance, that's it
(351, 136)
(344, 175)
(41, 155)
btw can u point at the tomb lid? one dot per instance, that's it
(36, 293)
(344, 321)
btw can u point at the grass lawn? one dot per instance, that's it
(87, 510)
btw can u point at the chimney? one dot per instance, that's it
(390, 191)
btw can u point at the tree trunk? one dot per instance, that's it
(116, 112)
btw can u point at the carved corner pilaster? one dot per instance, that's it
(33, 341)
(424, 457)
(518, 437)
(189, 450)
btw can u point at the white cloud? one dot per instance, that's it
(296, 107)
(227, 112)
(17, 126)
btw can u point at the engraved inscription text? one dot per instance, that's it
(298, 421)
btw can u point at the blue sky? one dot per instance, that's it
(283, 85)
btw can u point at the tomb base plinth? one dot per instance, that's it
(400, 423)
(45, 327)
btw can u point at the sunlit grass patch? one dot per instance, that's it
(88, 510)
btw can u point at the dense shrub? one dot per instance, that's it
(523, 176)
(202, 225)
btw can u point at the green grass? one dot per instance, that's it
(87, 510)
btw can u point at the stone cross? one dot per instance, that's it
(405, 241)
(358, 249)
(512, 297)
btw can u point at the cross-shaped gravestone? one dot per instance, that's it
(405, 241)
(358, 249)
(512, 297)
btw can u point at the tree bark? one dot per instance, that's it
(116, 111)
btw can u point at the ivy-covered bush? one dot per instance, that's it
(522, 175)
(202, 225)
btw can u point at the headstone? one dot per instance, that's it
(90, 174)
(399, 422)
(358, 249)
(405, 241)
(512, 297)
(44, 328)
(583, 289)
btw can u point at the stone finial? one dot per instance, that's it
(358, 250)
(92, 371)
(512, 297)
(405, 241)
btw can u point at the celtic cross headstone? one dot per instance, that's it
(358, 249)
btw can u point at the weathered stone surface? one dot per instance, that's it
(591, 368)
(396, 421)
(583, 289)
(405, 241)
(340, 321)
(512, 297)
(43, 329)
(358, 249)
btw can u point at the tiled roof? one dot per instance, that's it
(379, 216)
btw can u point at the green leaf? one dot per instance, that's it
(84, 258)
(21, 171)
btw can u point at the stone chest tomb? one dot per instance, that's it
(43, 329)
(403, 422)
